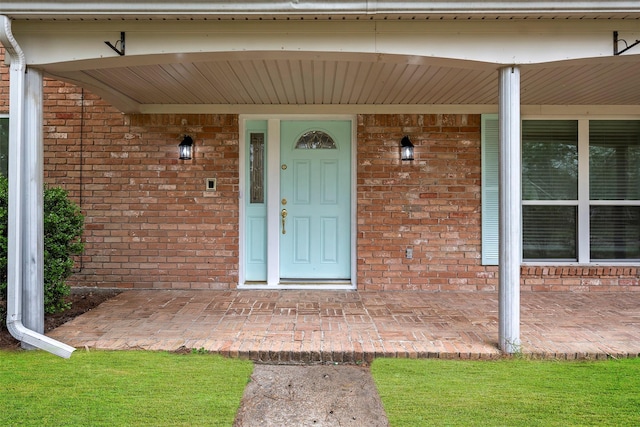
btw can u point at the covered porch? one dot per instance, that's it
(216, 61)
(354, 327)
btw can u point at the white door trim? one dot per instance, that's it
(273, 202)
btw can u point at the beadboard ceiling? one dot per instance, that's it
(269, 81)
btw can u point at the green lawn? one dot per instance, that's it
(510, 392)
(126, 388)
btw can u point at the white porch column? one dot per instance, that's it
(33, 231)
(510, 247)
(18, 265)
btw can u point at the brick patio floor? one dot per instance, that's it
(344, 326)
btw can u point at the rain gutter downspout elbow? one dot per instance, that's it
(15, 264)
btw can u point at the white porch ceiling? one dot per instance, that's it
(293, 81)
(261, 79)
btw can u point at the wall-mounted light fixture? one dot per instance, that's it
(406, 149)
(186, 148)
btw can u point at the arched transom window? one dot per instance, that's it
(315, 140)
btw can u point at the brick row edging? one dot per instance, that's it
(580, 278)
(600, 272)
(367, 358)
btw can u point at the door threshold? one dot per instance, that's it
(309, 284)
(303, 282)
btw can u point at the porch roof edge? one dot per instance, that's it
(254, 9)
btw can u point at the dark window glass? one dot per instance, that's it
(549, 232)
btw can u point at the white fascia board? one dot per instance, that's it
(500, 42)
(222, 8)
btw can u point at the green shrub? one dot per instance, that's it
(63, 226)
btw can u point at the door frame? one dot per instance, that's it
(273, 202)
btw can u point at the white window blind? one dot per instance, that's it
(490, 195)
(614, 160)
(549, 160)
(614, 189)
(615, 232)
(549, 232)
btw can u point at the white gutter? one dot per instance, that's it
(16, 265)
(48, 9)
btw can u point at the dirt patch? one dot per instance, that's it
(81, 299)
(316, 395)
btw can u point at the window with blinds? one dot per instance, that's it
(615, 232)
(549, 232)
(614, 189)
(580, 190)
(550, 160)
(614, 160)
(550, 189)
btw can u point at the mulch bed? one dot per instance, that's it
(81, 299)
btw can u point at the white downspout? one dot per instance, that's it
(15, 264)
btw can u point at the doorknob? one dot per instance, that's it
(283, 214)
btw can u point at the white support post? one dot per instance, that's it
(33, 231)
(510, 249)
(18, 217)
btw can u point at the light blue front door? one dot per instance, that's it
(315, 200)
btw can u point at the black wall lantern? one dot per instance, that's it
(186, 148)
(406, 149)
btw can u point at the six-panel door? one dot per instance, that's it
(315, 200)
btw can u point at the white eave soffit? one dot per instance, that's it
(319, 9)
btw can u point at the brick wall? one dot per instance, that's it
(580, 279)
(150, 222)
(430, 205)
(4, 85)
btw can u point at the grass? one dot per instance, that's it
(120, 389)
(510, 392)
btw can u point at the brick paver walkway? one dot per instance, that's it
(343, 326)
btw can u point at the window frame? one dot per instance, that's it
(583, 202)
(557, 202)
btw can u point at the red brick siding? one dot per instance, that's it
(580, 279)
(431, 204)
(4, 85)
(149, 221)
(151, 224)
